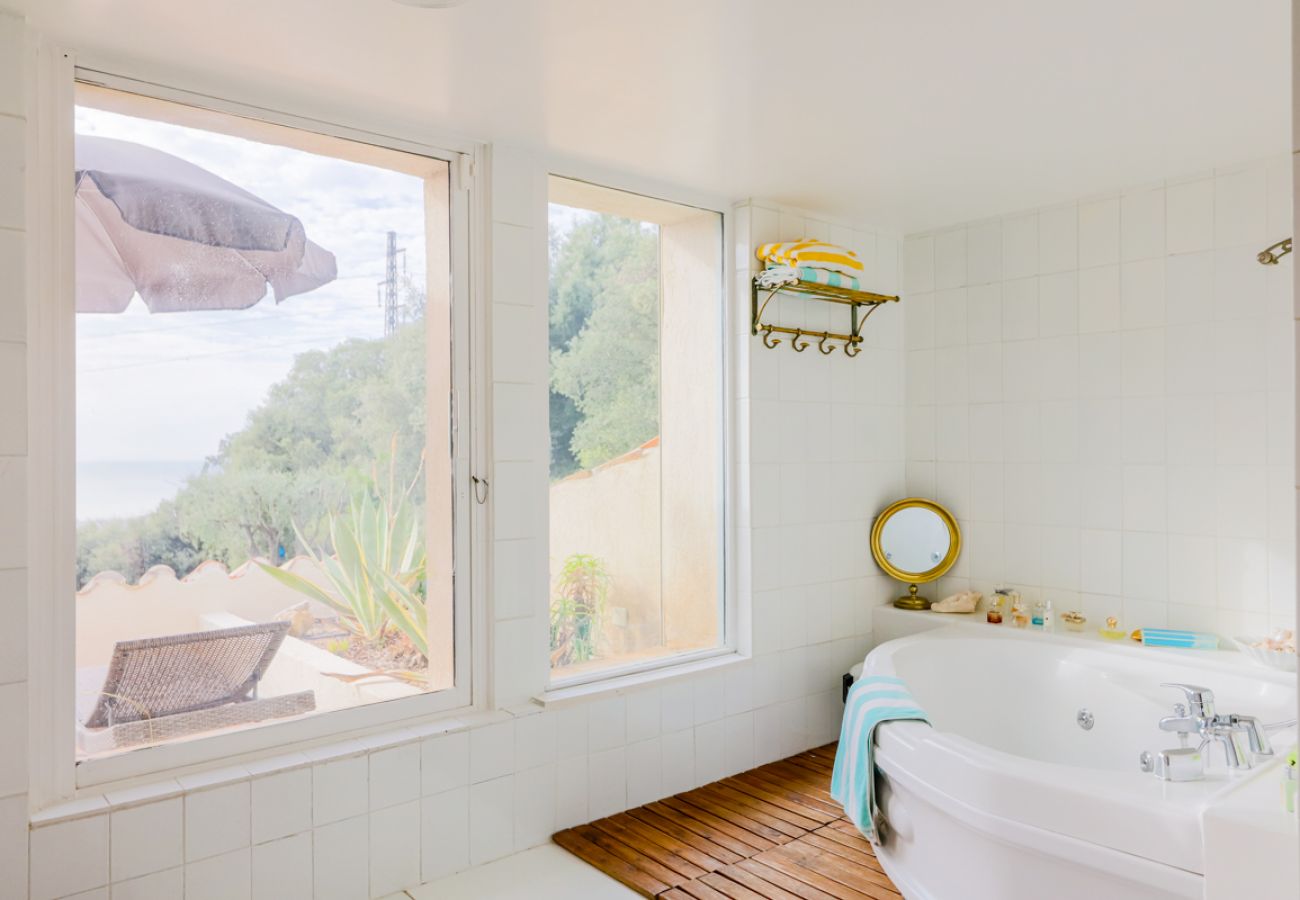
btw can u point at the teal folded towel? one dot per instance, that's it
(814, 275)
(777, 275)
(873, 700)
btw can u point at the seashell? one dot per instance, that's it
(964, 602)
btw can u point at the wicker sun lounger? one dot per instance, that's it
(162, 688)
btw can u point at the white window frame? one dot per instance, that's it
(734, 639)
(56, 775)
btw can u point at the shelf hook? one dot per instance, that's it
(798, 347)
(851, 350)
(821, 345)
(768, 341)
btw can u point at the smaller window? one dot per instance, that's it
(636, 417)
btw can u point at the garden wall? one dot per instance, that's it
(109, 609)
(616, 512)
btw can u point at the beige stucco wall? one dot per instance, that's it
(691, 429)
(110, 610)
(652, 515)
(613, 513)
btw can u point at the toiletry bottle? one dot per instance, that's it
(1048, 620)
(1019, 617)
(994, 612)
(1038, 614)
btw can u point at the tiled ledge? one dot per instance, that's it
(890, 623)
(137, 792)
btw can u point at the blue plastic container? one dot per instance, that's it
(1169, 637)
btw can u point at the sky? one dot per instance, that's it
(168, 387)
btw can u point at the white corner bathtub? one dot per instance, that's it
(1008, 798)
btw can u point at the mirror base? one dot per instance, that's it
(911, 600)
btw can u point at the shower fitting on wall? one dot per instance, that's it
(1270, 255)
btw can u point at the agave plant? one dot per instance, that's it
(577, 609)
(377, 570)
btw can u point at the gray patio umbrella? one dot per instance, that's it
(184, 239)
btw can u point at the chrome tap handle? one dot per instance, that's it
(1180, 725)
(1200, 700)
(1256, 736)
(1236, 754)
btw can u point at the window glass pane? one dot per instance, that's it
(635, 413)
(261, 497)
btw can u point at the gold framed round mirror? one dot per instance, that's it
(915, 541)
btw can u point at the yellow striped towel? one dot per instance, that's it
(817, 254)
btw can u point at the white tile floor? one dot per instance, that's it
(542, 873)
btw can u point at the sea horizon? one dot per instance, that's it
(113, 489)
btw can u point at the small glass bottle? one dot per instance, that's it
(1019, 617)
(1112, 631)
(994, 612)
(1038, 614)
(1049, 620)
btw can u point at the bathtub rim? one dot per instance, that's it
(969, 626)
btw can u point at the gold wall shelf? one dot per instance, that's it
(855, 300)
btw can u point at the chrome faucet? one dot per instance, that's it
(1241, 737)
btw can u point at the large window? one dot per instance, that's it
(636, 430)
(263, 478)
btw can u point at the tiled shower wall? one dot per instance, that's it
(1103, 393)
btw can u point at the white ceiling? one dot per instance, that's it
(908, 114)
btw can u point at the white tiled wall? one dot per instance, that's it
(1103, 393)
(520, 444)
(1294, 221)
(825, 453)
(13, 458)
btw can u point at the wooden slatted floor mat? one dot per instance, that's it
(772, 833)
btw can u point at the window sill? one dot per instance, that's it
(128, 793)
(569, 694)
